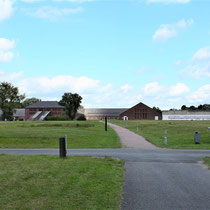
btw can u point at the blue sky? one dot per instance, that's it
(114, 53)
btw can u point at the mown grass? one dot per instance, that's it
(206, 160)
(80, 134)
(49, 182)
(180, 134)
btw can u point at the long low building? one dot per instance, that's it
(186, 115)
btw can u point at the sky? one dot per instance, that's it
(114, 53)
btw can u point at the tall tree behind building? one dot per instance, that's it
(71, 102)
(10, 99)
(29, 101)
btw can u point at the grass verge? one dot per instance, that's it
(49, 182)
(206, 160)
(83, 134)
(180, 134)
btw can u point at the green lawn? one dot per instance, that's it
(180, 133)
(206, 161)
(80, 134)
(49, 182)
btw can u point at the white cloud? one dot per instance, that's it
(74, 1)
(202, 54)
(199, 64)
(53, 12)
(105, 88)
(31, 1)
(6, 56)
(167, 31)
(6, 9)
(58, 83)
(168, 1)
(6, 44)
(178, 89)
(178, 62)
(10, 77)
(125, 88)
(151, 89)
(202, 95)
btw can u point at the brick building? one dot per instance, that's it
(141, 112)
(41, 109)
(137, 112)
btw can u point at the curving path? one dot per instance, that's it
(130, 139)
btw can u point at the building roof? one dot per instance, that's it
(19, 113)
(45, 104)
(99, 112)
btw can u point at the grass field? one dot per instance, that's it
(206, 161)
(49, 182)
(180, 134)
(80, 134)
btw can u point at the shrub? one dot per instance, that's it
(56, 118)
(81, 118)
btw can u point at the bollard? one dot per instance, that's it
(62, 144)
(197, 137)
(165, 137)
(106, 123)
(137, 127)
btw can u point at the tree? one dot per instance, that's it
(9, 99)
(71, 102)
(192, 108)
(184, 107)
(157, 109)
(29, 101)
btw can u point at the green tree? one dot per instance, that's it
(29, 101)
(9, 99)
(71, 102)
(157, 109)
(184, 107)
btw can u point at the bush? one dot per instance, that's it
(81, 118)
(56, 118)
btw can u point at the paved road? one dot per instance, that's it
(155, 179)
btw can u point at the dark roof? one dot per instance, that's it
(104, 112)
(45, 104)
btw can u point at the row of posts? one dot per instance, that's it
(63, 140)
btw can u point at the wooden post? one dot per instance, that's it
(62, 146)
(106, 123)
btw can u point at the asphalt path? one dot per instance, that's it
(162, 179)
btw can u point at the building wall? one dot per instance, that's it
(141, 112)
(186, 115)
(53, 111)
(102, 117)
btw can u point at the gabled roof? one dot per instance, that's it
(45, 104)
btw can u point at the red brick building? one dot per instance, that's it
(41, 109)
(137, 112)
(141, 112)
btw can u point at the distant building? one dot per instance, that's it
(101, 113)
(186, 115)
(19, 114)
(141, 112)
(137, 112)
(41, 109)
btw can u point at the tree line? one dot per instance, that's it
(11, 99)
(201, 107)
